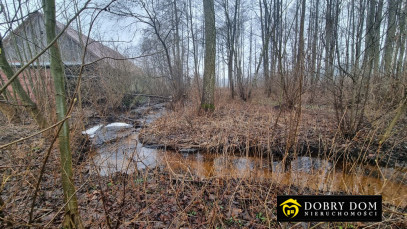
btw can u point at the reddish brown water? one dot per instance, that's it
(127, 155)
(304, 172)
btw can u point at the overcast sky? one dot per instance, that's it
(121, 34)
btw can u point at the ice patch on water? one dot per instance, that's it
(91, 131)
(118, 124)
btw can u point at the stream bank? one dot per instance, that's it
(177, 190)
(119, 149)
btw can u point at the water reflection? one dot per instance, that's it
(126, 155)
(129, 155)
(304, 172)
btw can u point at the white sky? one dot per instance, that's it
(111, 32)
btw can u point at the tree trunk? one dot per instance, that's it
(230, 75)
(194, 47)
(265, 36)
(9, 111)
(391, 29)
(314, 47)
(376, 46)
(30, 106)
(400, 110)
(71, 218)
(231, 25)
(208, 92)
(329, 40)
(402, 40)
(178, 65)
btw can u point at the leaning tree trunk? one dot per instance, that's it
(9, 111)
(30, 106)
(399, 112)
(208, 95)
(71, 217)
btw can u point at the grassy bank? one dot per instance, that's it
(262, 127)
(159, 198)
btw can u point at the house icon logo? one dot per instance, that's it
(290, 208)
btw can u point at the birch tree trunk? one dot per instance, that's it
(71, 217)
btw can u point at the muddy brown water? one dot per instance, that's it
(127, 154)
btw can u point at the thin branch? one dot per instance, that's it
(42, 131)
(128, 58)
(43, 51)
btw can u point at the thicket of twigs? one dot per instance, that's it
(152, 198)
(159, 198)
(261, 126)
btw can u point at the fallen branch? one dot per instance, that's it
(153, 96)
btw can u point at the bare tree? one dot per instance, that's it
(163, 20)
(265, 17)
(230, 27)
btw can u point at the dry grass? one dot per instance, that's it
(260, 125)
(237, 125)
(158, 198)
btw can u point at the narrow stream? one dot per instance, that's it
(127, 154)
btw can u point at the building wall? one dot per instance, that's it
(99, 79)
(38, 84)
(30, 38)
